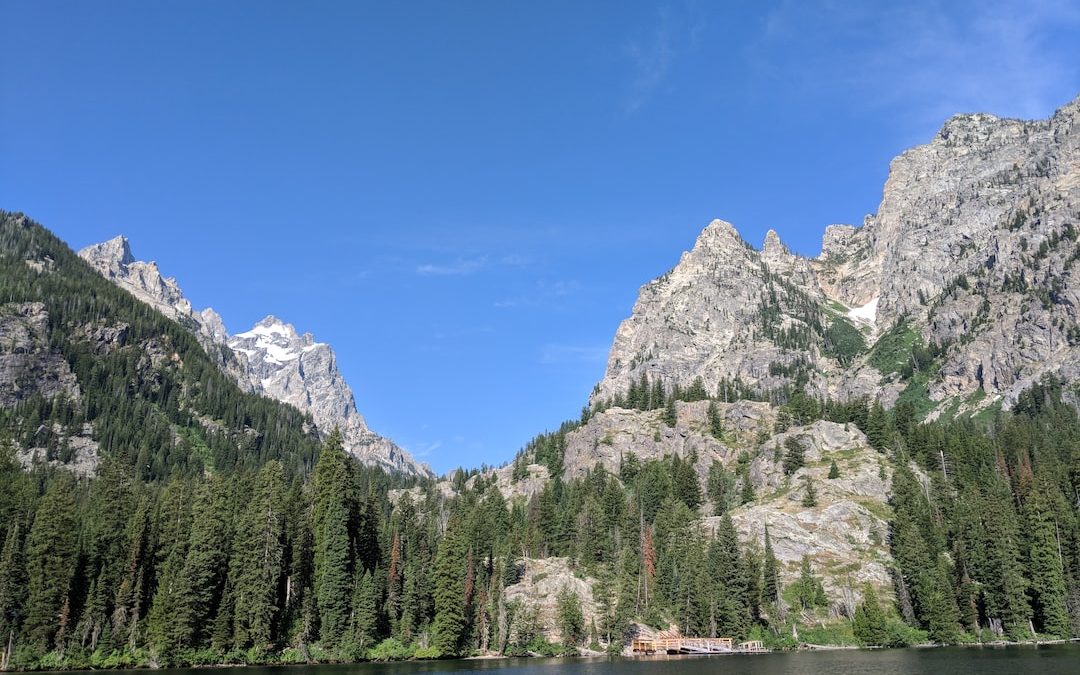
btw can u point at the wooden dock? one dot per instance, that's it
(692, 645)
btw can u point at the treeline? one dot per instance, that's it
(259, 566)
(255, 566)
(118, 571)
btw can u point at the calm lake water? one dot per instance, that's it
(1048, 660)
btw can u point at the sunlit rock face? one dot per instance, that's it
(973, 249)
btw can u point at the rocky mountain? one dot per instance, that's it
(86, 366)
(114, 260)
(957, 294)
(297, 370)
(270, 359)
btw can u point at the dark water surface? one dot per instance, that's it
(1046, 660)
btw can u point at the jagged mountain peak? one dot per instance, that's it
(772, 241)
(719, 234)
(774, 252)
(115, 252)
(1070, 110)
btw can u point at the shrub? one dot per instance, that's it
(390, 649)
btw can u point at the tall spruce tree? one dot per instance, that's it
(770, 573)
(12, 588)
(449, 590)
(869, 624)
(257, 563)
(1045, 563)
(365, 612)
(730, 592)
(202, 578)
(334, 507)
(51, 556)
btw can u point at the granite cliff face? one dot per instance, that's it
(28, 367)
(972, 252)
(270, 359)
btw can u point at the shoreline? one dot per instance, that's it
(806, 647)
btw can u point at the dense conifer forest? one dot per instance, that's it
(218, 528)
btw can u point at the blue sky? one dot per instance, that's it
(464, 197)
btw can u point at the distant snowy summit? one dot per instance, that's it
(270, 359)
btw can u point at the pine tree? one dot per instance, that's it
(1045, 564)
(877, 427)
(334, 507)
(746, 494)
(395, 581)
(570, 619)
(770, 573)
(808, 590)
(730, 592)
(716, 422)
(172, 523)
(51, 552)
(794, 455)
(685, 480)
(257, 564)
(721, 487)
(1005, 585)
(809, 499)
(924, 572)
(202, 579)
(670, 415)
(449, 590)
(834, 470)
(869, 624)
(12, 587)
(128, 605)
(365, 612)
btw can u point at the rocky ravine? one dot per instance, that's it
(974, 245)
(270, 359)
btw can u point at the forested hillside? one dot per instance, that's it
(206, 525)
(142, 383)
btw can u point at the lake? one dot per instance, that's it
(1045, 660)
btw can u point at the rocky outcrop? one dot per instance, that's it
(845, 534)
(615, 434)
(74, 452)
(542, 580)
(28, 367)
(270, 359)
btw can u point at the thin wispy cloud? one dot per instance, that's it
(457, 268)
(545, 294)
(653, 55)
(559, 354)
(470, 265)
(422, 449)
(928, 59)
